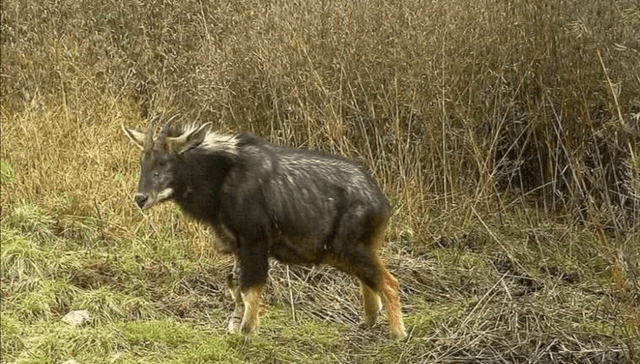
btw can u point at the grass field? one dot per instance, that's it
(506, 135)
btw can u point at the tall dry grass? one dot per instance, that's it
(450, 104)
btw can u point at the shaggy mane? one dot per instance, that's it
(215, 142)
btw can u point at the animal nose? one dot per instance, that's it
(141, 200)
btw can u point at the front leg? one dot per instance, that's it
(235, 320)
(372, 305)
(251, 300)
(254, 266)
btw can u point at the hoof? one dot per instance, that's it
(234, 325)
(397, 336)
(367, 324)
(247, 328)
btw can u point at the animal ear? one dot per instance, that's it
(188, 141)
(135, 136)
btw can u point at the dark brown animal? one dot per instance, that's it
(266, 201)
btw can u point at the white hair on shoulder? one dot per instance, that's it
(214, 141)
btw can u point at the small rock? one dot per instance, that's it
(77, 318)
(70, 361)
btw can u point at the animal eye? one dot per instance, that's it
(156, 174)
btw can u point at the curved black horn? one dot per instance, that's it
(148, 140)
(164, 132)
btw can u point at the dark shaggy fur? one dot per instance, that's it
(294, 205)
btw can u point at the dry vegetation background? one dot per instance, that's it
(506, 134)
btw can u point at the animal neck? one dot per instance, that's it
(199, 179)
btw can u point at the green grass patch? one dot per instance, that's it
(51, 341)
(30, 219)
(47, 298)
(428, 317)
(22, 257)
(7, 174)
(109, 304)
(177, 342)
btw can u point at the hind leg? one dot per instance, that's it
(377, 285)
(357, 246)
(372, 305)
(388, 289)
(383, 285)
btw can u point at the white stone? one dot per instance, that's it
(77, 318)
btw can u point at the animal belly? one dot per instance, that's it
(301, 251)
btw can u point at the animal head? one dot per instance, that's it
(159, 158)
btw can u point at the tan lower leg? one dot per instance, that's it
(251, 299)
(236, 317)
(372, 304)
(389, 288)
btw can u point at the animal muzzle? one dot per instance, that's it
(146, 200)
(141, 200)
